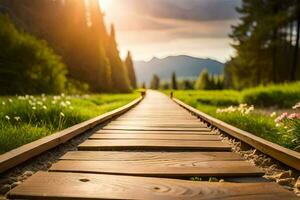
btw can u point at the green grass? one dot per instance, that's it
(257, 123)
(283, 95)
(26, 119)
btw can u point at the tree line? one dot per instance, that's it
(266, 41)
(204, 82)
(83, 49)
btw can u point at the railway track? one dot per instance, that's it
(151, 152)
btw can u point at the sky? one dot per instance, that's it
(159, 28)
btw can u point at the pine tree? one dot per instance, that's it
(174, 83)
(264, 44)
(120, 78)
(203, 82)
(130, 70)
(155, 82)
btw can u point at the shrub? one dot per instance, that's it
(284, 95)
(27, 65)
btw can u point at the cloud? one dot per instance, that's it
(162, 26)
(196, 10)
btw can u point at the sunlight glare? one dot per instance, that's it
(105, 5)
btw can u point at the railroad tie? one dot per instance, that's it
(151, 152)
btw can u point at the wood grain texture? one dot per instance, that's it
(156, 137)
(151, 156)
(170, 168)
(162, 145)
(156, 132)
(52, 185)
(145, 128)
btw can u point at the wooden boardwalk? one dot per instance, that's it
(150, 153)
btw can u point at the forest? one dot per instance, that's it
(60, 46)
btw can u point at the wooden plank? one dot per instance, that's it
(155, 132)
(153, 145)
(161, 124)
(156, 137)
(150, 156)
(53, 185)
(23, 153)
(141, 128)
(158, 122)
(161, 168)
(286, 156)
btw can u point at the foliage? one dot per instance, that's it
(291, 122)
(217, 98)
(24, 119)
(130, 70)
(155, 82)
(28, 65)
(203, 82)
(209, 82)
(267, 48)
(280, 95)
(88, 50)
(174, 83)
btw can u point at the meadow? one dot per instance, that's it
(268, 112)
(24, 119)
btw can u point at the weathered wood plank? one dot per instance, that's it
(156, 137)
(52, 185)
(144, 128)
(150, 156)
(161, 168)
(153, 145)
(155, 132)
(160, 124)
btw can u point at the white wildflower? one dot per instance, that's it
(3, 103)
(40, 103)
(68, 102)
(45, 107)
(273, 114)
(53, 102)
(7, 117)
(10, 100)
(62, 94)
(62, 114)
(21, 98)
(296, 106)
(63, 104)
(33, 108)
(278, 124)
(17, 118)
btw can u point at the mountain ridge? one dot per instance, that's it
(185, 66)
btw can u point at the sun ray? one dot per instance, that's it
(105, 4)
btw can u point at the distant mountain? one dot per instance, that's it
(184, 66)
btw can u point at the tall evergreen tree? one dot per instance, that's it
(203, 82)
(263, 46)
(130, 70)
(119, 73)
(155, 82)
(174, 83)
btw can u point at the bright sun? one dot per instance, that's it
(105, 4)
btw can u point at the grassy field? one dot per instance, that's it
(227, 106)
(24, 119)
